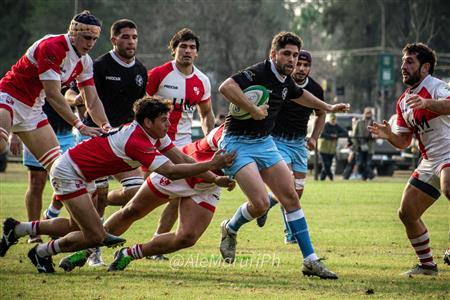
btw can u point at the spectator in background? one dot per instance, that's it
(327, 145)
(364, 144)
(350, 171)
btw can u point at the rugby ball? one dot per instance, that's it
(256, 94)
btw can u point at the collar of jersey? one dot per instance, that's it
(72, 50)
(277, 75)
(121, 62)
(152, 140)
(174, 66)
(304, 83)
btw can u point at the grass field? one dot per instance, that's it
(353, 224)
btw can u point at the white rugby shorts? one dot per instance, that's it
(166, 188)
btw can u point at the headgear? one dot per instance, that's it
(85, 22)
(305, 55)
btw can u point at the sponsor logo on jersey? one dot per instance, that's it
(139, 80)
(196, 90)
(172, 87)
(420, 125)
(180, 104)
(249, 74)
(284, 93)
(113, 78)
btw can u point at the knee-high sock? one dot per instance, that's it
(241, 216)
(421, 245)
(299, 228)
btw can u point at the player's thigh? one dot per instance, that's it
(194, 219)
(415, 202)
(40, 140)
(145, 200)
(445, 182)
(251, 183)
(83, 212)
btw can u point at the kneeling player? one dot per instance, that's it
(197, 205)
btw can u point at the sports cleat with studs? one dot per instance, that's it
(112, 241)
(261, 221)
(42, 264)
(317, 268)
(95, 259)
(77, 259)
(422, 270)
(227, 243)
(9, 238)
(120, 262)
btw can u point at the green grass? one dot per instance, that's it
(353, 224)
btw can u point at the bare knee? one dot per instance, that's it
(259, 207)
(95, 238)
(186, 239)
(406, 217)
(446, 192)
(131, 212)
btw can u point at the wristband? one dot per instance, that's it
(78, 124)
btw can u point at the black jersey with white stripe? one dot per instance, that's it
(292, 121)
(280, 91)
(118, 85)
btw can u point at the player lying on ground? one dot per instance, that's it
(128, 147)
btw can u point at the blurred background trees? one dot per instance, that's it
(348, 38)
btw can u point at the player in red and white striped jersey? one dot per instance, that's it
(423, 111)
(51, 62)
(182, 82)
(198, 200)
(129, 147)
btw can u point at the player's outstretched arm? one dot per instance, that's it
(384, 131)
(309, 100)
(183, 170)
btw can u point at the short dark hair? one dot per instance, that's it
(119, 24)
(424, 54)
(284, 38)
(150, 107)
(183, 35)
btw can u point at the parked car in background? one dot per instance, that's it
(383, 161)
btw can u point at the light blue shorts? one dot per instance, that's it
(261, 150)
(294, 153)
(66, 141)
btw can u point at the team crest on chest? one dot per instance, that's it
(196, 90)
(139, 80)
(284, 93)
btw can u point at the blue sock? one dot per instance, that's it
(241, 216)
(299, 228)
